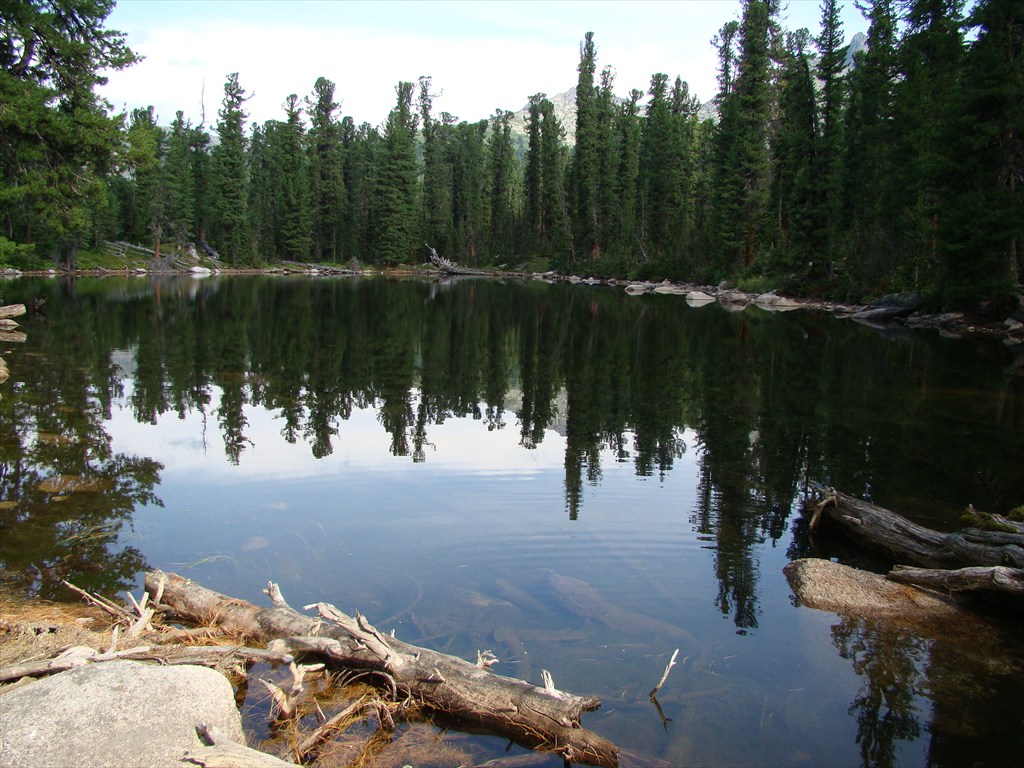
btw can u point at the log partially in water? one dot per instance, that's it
(996, 583)
(539, 718)
(906, 542)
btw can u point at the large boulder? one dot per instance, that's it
(117, 714)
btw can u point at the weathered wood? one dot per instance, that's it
(7, 311)
(225, 753)
(546, 720)
(995, 583)
(906, 542)
(13, 337)
(199, 655)
(450, 268)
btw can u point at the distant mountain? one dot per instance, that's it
(565, 102)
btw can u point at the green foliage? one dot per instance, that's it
(816, 179)
(19, 256)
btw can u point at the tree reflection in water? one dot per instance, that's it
(761, 401)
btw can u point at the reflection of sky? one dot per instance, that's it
(458, 444)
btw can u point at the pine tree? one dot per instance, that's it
(982, 227)
(742, 172)
(396, 193)
(230, 178)
(795, 201)
(326, 174)
(470, 210)
(931, 60)
(149, 190)
(532, 175)
(869, 141)
(438, 229)
(502, 173)
(293, 181)
(628, 177)
(181, 204)
(56, 141)
(586, 158)
(831, 61)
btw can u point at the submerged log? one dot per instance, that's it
(906, 542)
(541, 718)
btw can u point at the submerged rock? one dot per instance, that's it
(117, 714)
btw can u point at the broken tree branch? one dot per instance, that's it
(546, 720)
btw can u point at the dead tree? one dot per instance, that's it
(541, 718)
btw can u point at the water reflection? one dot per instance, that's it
(950, 682)
(757, 403)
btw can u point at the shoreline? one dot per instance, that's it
(889, 312)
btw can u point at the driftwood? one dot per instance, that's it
(906, 542)
(998, 582)
(971, 562)
(222, 752)
(541, 718)
(201, 655)
(450, 268)
(9, 311)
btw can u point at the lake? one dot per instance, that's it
(576, 479)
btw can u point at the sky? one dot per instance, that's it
(482, 55)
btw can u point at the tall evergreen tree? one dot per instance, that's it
(795, 202)
(181, 199)
(927, 100)
(982, 228)
(326, 173)
(742, 163)
(586, 158)
(501, 157)
(869, 208)
(532, 173)
(145, 162)
(56, 140)
(396, 191)
(230, 185)
(296, 214)
(438, 229)
(831, 61)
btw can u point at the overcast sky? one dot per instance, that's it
(481, 54)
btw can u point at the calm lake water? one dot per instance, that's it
(578, 480)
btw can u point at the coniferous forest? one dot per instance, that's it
(902, 172)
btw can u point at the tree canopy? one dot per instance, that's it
(898, 170)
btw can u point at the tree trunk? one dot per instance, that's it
(539, 718)
(997, 583)
(906, 542)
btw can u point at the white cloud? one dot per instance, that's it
(481, 55)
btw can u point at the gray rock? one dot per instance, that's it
(699, 298)
(117, 714)
(830, 586)
(909, 302)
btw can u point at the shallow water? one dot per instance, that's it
(578, 480)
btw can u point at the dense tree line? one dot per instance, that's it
(902, 172)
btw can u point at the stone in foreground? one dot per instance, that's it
(118, 714)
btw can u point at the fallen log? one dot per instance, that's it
(997, 583)
(906, 542)
(450, 268)
(9, 311)
(540, 718)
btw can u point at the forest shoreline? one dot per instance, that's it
(890, 312)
